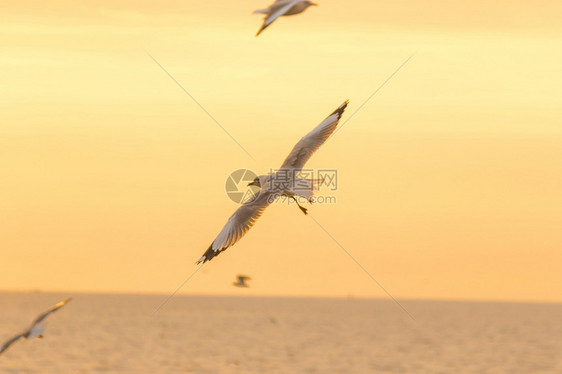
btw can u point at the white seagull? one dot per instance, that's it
(241, 281)
(284, 182)
(282, 8)
(34, 329)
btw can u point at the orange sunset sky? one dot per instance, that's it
(450, 177)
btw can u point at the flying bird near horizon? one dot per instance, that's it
(284, 182)
(34, 330)
(282, 8)
(241, 281)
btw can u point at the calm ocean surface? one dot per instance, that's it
(196, 334)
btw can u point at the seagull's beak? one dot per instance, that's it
(314, 4)
(251, 184)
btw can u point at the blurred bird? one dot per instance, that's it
(35, 330)
(282, 183)
(241, 282)
(282, 8)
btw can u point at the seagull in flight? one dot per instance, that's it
(284, 182)
(241, 281)
(35, 329)
(282, 8)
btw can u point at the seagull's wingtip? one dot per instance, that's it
(340, 109)
(62, 303)
(209, 254)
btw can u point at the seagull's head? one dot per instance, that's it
(255, 182)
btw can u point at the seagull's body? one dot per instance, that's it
(282, 8)
(35, 329)
(282, 183)
(241, 281)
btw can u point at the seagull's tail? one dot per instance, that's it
(261, 11)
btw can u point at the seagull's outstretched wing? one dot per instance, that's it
(33, 330)
(52, 309)
(304, 149)
(276, 11)
(10, 342)
(237, 225)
